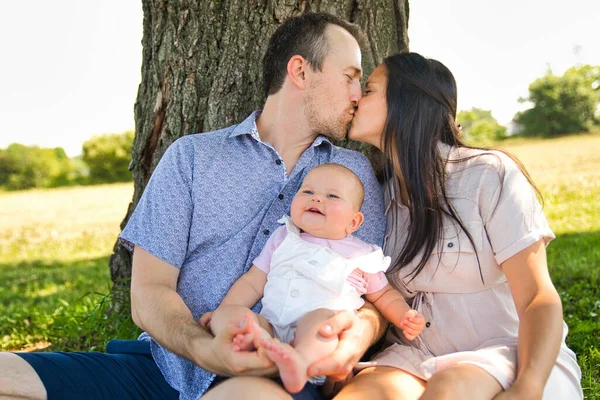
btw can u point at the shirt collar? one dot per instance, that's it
(320, 140)
(248, 127)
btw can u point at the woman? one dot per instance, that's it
(467, 236)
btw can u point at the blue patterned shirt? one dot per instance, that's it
(209, 208)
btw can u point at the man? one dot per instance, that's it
(206, 213)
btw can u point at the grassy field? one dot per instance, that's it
(54, 250)
(55, 244)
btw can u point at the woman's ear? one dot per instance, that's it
(356, 222)
(296, 71)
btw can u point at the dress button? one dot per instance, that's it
(278, 162)
(428, 324)
(280, 197)
(294, 293)
(266, 232)
(313, 262)
(299, 273)
(450, 244)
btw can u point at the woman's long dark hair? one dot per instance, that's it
(421, 99)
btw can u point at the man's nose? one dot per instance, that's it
(355, 94)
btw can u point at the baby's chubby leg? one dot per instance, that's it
(309, 346)
(255, 326)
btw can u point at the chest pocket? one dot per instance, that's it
(455, 259)
(455, 248)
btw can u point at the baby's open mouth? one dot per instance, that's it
(315, 211)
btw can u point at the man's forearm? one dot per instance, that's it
(161, 312)
(374, 319)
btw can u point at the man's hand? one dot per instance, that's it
(355, 335)
(204, 320)
(220, 357)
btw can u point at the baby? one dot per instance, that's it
(311, 268)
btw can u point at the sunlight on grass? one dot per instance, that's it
(61, 224)
(567, 172)
(54, 248)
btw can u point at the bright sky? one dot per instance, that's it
(71, 68)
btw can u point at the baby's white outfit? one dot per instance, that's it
(305, 276)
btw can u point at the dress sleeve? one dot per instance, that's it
(512, 214)
(161, 221)
(263, 260)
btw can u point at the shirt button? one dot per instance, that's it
(294, 293)
(428, 324)
(278, 162)
(450, 244)
(280, 196)
(266, 232)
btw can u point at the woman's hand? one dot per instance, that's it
(355, 336)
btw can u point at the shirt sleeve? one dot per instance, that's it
(375, 282)
(161, 221)
(513, 216)
(263, 260)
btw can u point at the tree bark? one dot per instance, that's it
(201, 71)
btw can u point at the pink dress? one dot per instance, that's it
(472, 321)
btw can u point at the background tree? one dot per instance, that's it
(201, 70)
(479, 127)
(107, 157)
(26, 167)
(562, 104)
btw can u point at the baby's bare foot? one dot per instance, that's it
(244, 342)
(248, 339)
(292, 368)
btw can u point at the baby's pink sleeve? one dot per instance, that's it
(375, 282)
(263, 261)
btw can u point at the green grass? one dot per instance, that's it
(55, 245)
(54, 250)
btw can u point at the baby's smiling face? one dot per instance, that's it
(327, 205)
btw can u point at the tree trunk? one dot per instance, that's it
(201, 71)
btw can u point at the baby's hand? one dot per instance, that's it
(412, 324)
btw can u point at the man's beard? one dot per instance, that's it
(335, 129)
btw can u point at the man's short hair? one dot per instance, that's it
(305, 36)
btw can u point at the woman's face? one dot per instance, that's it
(370, 116)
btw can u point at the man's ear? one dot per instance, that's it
(296, 70)
(355, 223)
